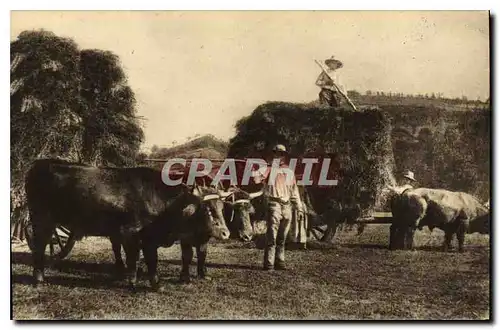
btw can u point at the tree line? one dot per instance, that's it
(429, 97)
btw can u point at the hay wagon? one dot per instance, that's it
(359, 140)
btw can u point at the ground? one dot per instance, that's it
(356, 278)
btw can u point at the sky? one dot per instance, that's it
(199, 72)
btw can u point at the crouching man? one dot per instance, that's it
(282, 198)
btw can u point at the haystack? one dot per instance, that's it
(360, 142)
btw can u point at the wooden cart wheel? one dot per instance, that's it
(60, 245)
(62, 242)
(324, 233)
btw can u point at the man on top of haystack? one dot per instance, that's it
(329, 81)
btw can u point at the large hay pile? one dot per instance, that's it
(360, 142)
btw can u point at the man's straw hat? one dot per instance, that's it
(333, 63)
(280, 148)
(410, 175)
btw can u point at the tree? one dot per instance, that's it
(112, 134)
(67, 104)
(368, 93)
(44, 108)
(45, 101)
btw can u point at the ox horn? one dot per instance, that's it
(225, 194)
(242, 201)
(255, 194)
(210, 197)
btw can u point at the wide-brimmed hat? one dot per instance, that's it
(410, 175)
(333, 63)
(280, 148)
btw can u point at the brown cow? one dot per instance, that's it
(453, 212)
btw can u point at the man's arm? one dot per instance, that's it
(339, 84)
(295, 196)
(323, 80)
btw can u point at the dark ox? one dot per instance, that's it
(453, 212)
(131, 206)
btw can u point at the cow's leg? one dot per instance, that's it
(448, 235)
(131, 247)
(42, 233)
(461, 237)
(150, 252)
(116, 243)
(393, 232)
(397, 237)
(187, 257)
(408, 238)
(201, 254)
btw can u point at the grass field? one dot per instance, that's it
(356, 278)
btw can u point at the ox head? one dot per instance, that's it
(239, 209)
(481, 223)
(206, 206)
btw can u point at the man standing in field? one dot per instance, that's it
(327, 82)
(282, 198)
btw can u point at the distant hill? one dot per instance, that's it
(206, 146)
